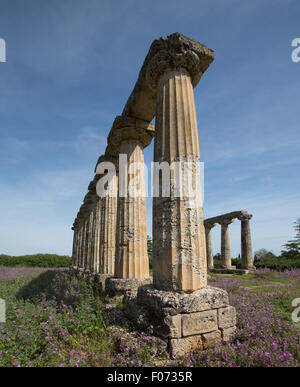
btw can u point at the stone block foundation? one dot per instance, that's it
(187, 322)
(123, 288)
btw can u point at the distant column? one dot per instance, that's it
(86, 240)
(128, 138)
(246, 243)
(83, 242)
(108, 226)
(225, 244)
(77, 244)
(97, 237)
(74, 246)
(209, 247)
(90, 240)
(80, 245)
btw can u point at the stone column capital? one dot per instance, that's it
(89, 199)
(209, 226)
(128, 128)
(92, 186)
(226, 222)
(177, 52)
(244, 216)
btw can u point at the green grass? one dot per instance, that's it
(55, 318)
(36, 260)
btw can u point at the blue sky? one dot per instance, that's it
(70, 68)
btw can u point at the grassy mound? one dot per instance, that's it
(36, 260)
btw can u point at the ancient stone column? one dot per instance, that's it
(91, 240)
(128, 138)
(81, 241)
(96, 263)
(246, 244)
(85, 231)
(75, 254)
(78, 243)
(225, 244)
(108, 222)
(89, 202)
(209, 248)
(179, 251)
(74, 246)
(86, 240)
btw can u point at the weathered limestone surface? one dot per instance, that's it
(142, 101)
(200, 322)
(100, 280)
(108, 224)
(228, 334)
(179, 252)
(131, 256)
(187, 321)
(129, 128)
(211, 338)
(179, 347)
(203, 299)
(227, 317)
(130, 137)
(119, 286)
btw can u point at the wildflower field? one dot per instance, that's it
(57, 319)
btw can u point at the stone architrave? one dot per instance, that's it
(209, 248)
(225, 244)
(246, 244)
(128, 138)
(174, 66)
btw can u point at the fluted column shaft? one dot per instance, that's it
(90, 250)
(108, 231)
(96, 252)
(246, 243)
(74, 246)
(78, 245)
(86, 241)
(225, 245)
(179, 252)
(209, 247)
(131, 256)
(82, 249)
